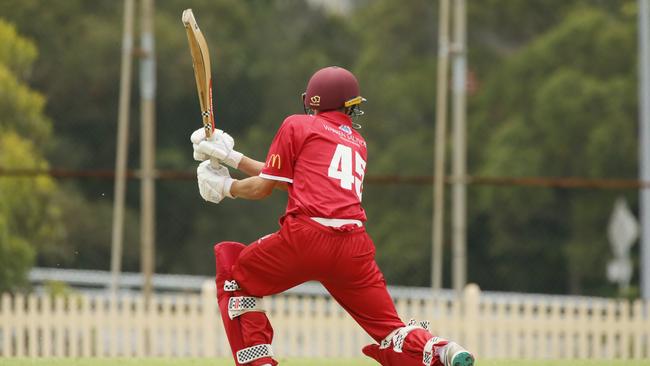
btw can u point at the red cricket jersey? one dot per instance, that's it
(324, 160)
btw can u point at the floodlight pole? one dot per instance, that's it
(644, 143)
(117, 235)
(437, 227)
(147, 145)
(459, 161)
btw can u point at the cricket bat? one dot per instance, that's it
(202, 72)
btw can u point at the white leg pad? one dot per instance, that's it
(253, 353)
(239, 305)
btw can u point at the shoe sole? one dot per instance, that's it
(463, 359)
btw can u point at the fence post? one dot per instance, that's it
(19, 314)
(210, 321)
(6, 327)
(471, 303)
(32, 327)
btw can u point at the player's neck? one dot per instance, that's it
(336, 116)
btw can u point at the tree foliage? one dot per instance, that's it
(27, 218)
(563, 105)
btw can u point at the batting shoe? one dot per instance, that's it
(452, 354)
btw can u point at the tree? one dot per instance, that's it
(563, 105)
(28, 220)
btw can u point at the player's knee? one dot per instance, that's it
(225, 255)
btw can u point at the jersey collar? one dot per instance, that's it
(336, 117)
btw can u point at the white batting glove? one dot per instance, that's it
(214, 182)
(199, 135)
(218, 147)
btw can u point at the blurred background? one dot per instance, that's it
(551, 93)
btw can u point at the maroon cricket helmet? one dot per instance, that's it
(332, 88)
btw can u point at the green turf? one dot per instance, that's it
(283, 362)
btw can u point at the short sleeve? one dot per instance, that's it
(282, 153)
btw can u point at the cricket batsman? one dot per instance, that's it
(319, 158)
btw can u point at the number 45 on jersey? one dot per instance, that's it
(341, 168)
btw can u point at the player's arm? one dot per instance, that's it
(220, 146)
(253, 168)
(215, 184)
(253, 188)
(250, 167)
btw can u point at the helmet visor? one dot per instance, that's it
(354, 101)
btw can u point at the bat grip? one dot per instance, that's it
(215, 163)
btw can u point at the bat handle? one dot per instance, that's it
(208, 132)
(214, 163)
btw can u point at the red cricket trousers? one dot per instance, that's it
(343, 260)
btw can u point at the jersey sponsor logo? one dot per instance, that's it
(314, 101)
(345, 136)
(345, 129)
(274, 160)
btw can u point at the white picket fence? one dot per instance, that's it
(313, 325)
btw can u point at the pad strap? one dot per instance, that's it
(424, 324)
(397, 337)
(239, 305)
(253, 353)
(427, 352)
(230, 286)
(400, 337)
(386, 342)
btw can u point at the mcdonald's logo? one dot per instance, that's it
(273, 159)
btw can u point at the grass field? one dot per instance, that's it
(288, 362)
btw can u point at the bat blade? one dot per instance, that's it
(202, 72)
